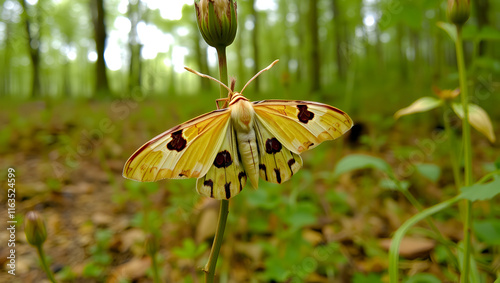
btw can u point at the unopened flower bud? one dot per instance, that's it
(34, 228)
(458, 11)
(446, 94)
(217, 21)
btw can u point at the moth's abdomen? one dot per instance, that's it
(249, 154)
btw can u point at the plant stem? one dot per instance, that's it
(467, 152)
(437, 233)
(453, 149)
(400, 233)
(45, 266)
(221, 54)
(154, 263)
(224, 204)
(219, 234)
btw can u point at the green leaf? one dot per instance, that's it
(488, 231)
(488, 33)
(450, 29)
(189, 249)
(360, 161)
(394, 184)
(430, 171)
(481, 191)
(370, 277)
(423, 278)
(420, 105)
(478, 118)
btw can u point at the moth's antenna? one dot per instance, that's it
(208, 77)
(265, 69)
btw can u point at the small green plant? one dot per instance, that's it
(468, 192)
(99, 253)
(36, 234)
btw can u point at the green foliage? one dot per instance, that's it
(422, 278)
(358, 161)
(189, 249)
(488, 231)
(370, 277)
(430, 171)
(481, 191)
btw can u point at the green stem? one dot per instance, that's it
(221, 54)
(224, 204)
(453, 148)
(403, 229)
(467, 153)
(219, 234)
(45, 266)
(154, 263)
(437, 233)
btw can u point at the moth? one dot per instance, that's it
(243, 140)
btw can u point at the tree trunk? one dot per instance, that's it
(482, 9)
(201, 57)
(33, 46)
(136, 12)
(313, 31)
(98, 13)
(255, 44)
(338, 37)
(6, 71)
(403, 61)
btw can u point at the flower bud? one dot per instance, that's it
(458, 11)
(217, 21)
(446, 94)
(34, 228)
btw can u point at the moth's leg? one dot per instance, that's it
(221, 99)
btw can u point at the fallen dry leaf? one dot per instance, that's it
(411, 248)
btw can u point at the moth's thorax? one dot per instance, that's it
(242, 113)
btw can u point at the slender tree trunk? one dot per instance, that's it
(239, 56)
(98, 14)
(255, 43)
(337, 29)
(33, 46)
(201, 57)
(315, 70)
(403, 61)
(300, 30)
(6, 71)
(482, 17)
(136, 12)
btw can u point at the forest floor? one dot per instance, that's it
(69, 158)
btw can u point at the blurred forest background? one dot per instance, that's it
(85, 83)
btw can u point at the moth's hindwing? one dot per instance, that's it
(301, 125)
(277, 163)
(185, 151)
(226, 177)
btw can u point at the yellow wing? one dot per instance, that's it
(185, 151)
(301, 125)
(226, 178)
(277, 163)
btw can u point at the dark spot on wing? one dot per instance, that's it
(290, 164)
(278, 175)
(263, 167)
(210, 183)
(304, 114)
(227, 187)
(273, 146)
(178, 142)
(223, 159)
(241, 176)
